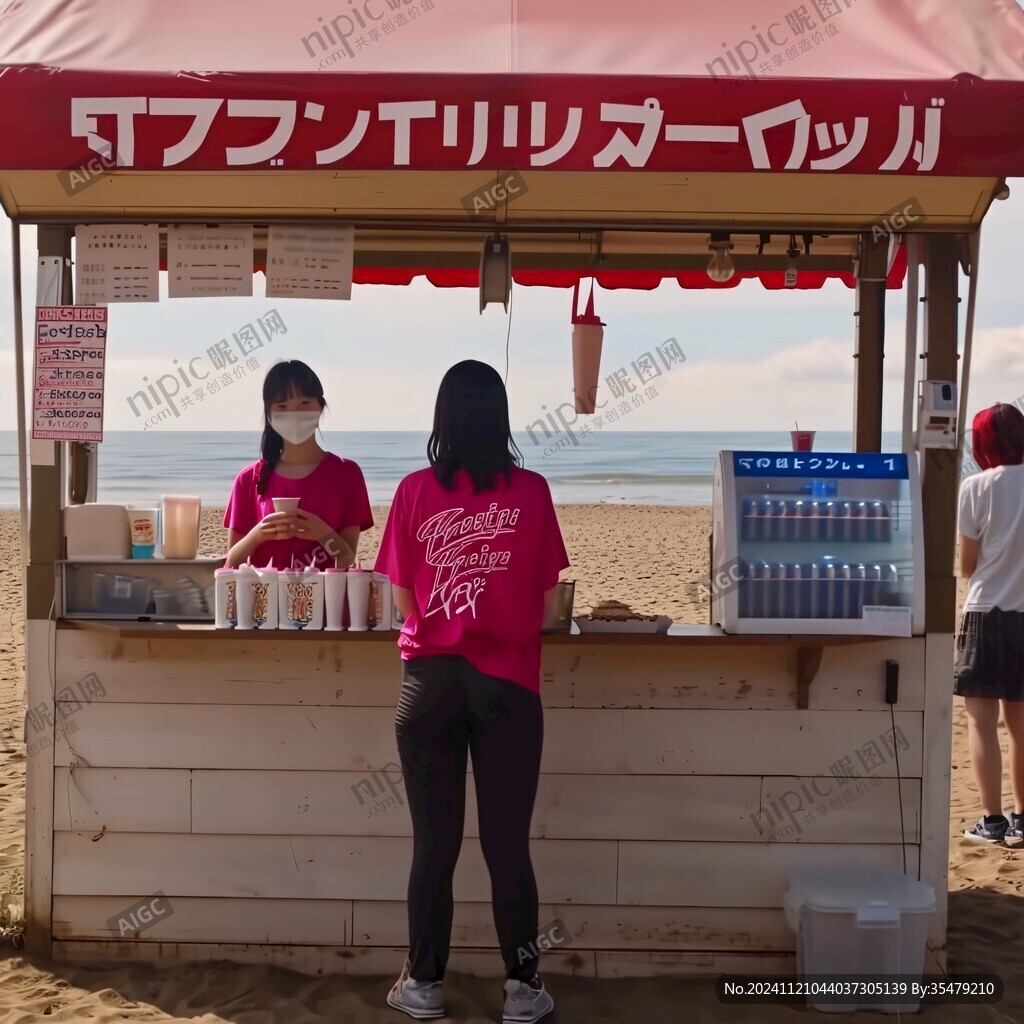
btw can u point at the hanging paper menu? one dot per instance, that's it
(204, 261)
(117, 263)
(67, 390)
(310, 261)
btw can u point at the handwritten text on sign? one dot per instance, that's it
(71, 344)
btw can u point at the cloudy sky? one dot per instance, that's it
(754, 359)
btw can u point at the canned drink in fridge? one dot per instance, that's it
(857, 588)
(844, 591)
(777, 522)
(765, 507)
(762, 608)
(786, 520)
(847, 510)
(831, 604)
(752, 585)
(791, 598)
(743, 592)
(818, 512)
(860, 521)
(777, 600)
(882, 523)
(871, 586)
(747, 520)
(828, 512)
(805, 590)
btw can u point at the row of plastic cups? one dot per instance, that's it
(252, 598)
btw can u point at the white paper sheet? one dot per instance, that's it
(116, 263)
(203, 261)
(310, 262)
(887, 620)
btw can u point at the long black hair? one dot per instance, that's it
(471, 427)
(282, 381)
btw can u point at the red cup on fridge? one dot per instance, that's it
(803, 440)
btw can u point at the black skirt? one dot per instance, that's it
(990, 655)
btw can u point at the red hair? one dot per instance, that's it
(998, 436)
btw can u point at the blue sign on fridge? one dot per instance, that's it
(840, 465)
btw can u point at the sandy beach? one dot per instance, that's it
(619, 552)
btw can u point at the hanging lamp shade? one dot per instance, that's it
(495, 272)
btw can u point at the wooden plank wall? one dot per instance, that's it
(679, 788)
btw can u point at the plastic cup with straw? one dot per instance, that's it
(803, 440)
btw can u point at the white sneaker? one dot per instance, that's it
(526, 1002)
(423, 1000)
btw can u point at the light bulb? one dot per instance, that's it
(720, 267)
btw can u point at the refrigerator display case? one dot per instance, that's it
(817, 542)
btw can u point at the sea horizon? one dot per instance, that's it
(666, 467)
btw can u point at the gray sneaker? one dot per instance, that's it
(526, 1001)
(420, 999)
(1015, 833)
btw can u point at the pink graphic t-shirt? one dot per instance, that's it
(335, 491)
(479, 565)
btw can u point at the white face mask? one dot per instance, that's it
(295, 427)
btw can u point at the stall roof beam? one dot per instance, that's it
(755, 202)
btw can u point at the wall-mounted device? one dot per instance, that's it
(936, 414)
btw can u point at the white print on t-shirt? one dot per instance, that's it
(457, 546)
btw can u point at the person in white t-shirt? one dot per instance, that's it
(989, 669)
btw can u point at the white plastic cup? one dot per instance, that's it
(316, 580)
(285, 504)
(380, 602)
(245, 597)
(358, 599)
(143, 522)
(264, 609)
(301, 600)
(225, 598)
(335, 591)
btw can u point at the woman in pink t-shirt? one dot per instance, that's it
(333, 503)
(473, 551)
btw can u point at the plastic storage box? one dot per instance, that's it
(859, 922)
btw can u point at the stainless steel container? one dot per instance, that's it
(559, 620)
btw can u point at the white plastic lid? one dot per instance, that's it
(850, 889)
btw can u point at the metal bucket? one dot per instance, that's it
(559, 620)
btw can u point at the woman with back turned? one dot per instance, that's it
(473, 550)
(990, 645)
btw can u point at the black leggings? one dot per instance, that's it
(448, 708)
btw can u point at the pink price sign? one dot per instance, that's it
(70, 353)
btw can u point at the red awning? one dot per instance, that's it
(898, 89)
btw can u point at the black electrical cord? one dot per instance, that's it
(508, 336)
(899, 787)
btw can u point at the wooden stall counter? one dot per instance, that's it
(809, 648)
(252, 777)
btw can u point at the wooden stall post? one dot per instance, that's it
(44, 549)
(872, 271)
(939, 486)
